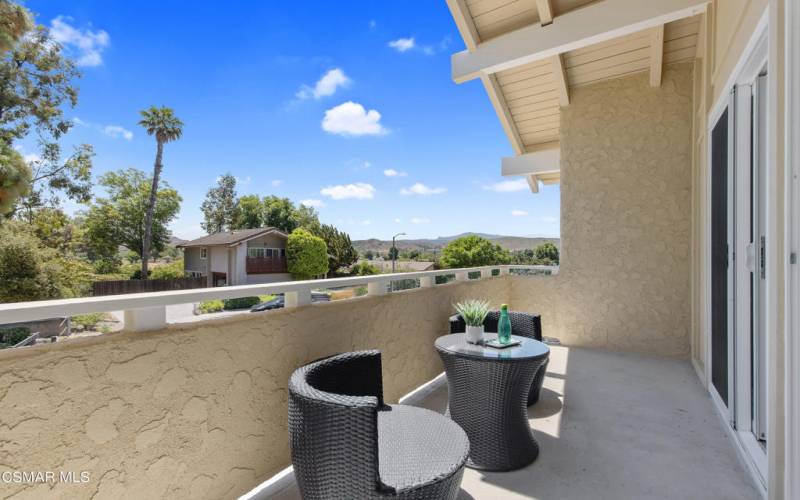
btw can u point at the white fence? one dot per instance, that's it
(147, 311)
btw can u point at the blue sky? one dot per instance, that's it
(315, 101)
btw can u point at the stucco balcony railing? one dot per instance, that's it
(199, 410)
(265, 265)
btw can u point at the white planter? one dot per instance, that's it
(474, 334)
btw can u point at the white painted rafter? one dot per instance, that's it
(597, 22)
(540, 162)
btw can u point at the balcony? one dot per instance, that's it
(265, 265)
(611, 425)
(199, 410)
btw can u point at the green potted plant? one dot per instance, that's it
(473, 312)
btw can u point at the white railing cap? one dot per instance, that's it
(18, 312)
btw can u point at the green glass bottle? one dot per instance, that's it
(504, 326)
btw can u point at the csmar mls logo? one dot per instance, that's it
(49, 477)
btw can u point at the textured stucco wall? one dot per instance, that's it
(200, 411)
(625, 219)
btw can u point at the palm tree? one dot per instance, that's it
(166, 127)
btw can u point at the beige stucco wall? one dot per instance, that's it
(625, 219)
(200, 411)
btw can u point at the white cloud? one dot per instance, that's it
(312, 203)
(420, 220)
(357, 191)
(276, 183)
(403, 44)
(397, 220)
(508, 186)
(390, 172)
(87, 45)
(519, 213)
(350, 118)
(422, 189)
(325, 86)
(116, 131)
(113, 131)
(28, 157)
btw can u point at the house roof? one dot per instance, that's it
(529, 55)
(231, 238)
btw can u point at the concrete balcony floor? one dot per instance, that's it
(616, 426)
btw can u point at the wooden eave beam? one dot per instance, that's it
(545, 12)
(495, 94)
(533, 183)
(594, 23)
(466, 26)
(560, 75)
(656, 55)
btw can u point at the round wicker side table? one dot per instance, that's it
(488, 394)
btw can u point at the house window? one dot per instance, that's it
(258, 252)
(203, 253)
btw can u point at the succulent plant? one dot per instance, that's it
(473, 311)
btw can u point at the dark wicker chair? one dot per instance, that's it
(522, 324)
(346, 443)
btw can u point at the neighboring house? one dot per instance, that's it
(401, 266)
(242, 257)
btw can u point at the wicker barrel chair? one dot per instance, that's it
(522, 324)
(346, 443)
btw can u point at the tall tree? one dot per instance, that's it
(251, 212)
(15, 21)
(220, 208)
(36, 84)
(165, 127)
(340, 249)
(121, 218)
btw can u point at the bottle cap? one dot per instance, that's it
(504, 306)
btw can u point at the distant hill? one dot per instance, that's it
(507, 242)
(175, 241)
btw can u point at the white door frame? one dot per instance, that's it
(792, 304)
(749, 65)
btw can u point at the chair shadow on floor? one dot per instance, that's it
(549, 404)
(463, 495)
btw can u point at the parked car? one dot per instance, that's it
(278, 302)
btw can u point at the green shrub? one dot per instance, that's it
(306, 254)
(361, 291)
(87, 321)
(12, 336)
(364, 268)
(168, 271)
(240, 303)
(211, 306)
(473, 251)
(266, 298)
